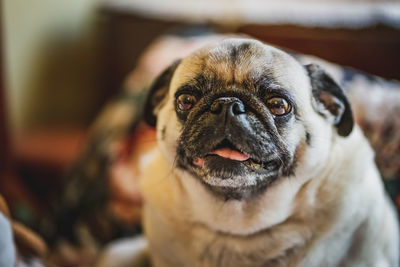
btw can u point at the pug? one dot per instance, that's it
(259, 163)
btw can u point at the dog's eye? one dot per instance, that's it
(278, 106)
(185, 102)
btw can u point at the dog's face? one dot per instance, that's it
(241, 115)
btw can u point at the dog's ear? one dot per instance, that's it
(157, 92)
(328, 93)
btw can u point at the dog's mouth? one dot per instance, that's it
(226, 152)
(232, 173)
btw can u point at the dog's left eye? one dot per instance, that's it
(278, 106)
(185, 102)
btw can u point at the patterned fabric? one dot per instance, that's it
(85, 214)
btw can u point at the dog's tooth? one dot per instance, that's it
(254, 165)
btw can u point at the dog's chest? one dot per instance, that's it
(176, 244)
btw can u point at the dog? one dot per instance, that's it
(259, 163)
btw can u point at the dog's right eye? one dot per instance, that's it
(185, 102)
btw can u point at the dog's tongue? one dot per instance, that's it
(230, 154)
(224, 153)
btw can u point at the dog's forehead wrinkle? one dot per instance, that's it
(217, 68)
(209, 82)
(235, 61)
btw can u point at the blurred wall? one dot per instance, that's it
(52, 68)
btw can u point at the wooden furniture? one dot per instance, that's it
(372, 45)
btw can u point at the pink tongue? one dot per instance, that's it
(225, 153)
(230, 154)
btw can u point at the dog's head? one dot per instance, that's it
(241, 115)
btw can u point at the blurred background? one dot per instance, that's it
(62, 61)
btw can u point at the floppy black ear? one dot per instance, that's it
(328, 93)
(157, 92)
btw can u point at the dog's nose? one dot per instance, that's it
(229, 105)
